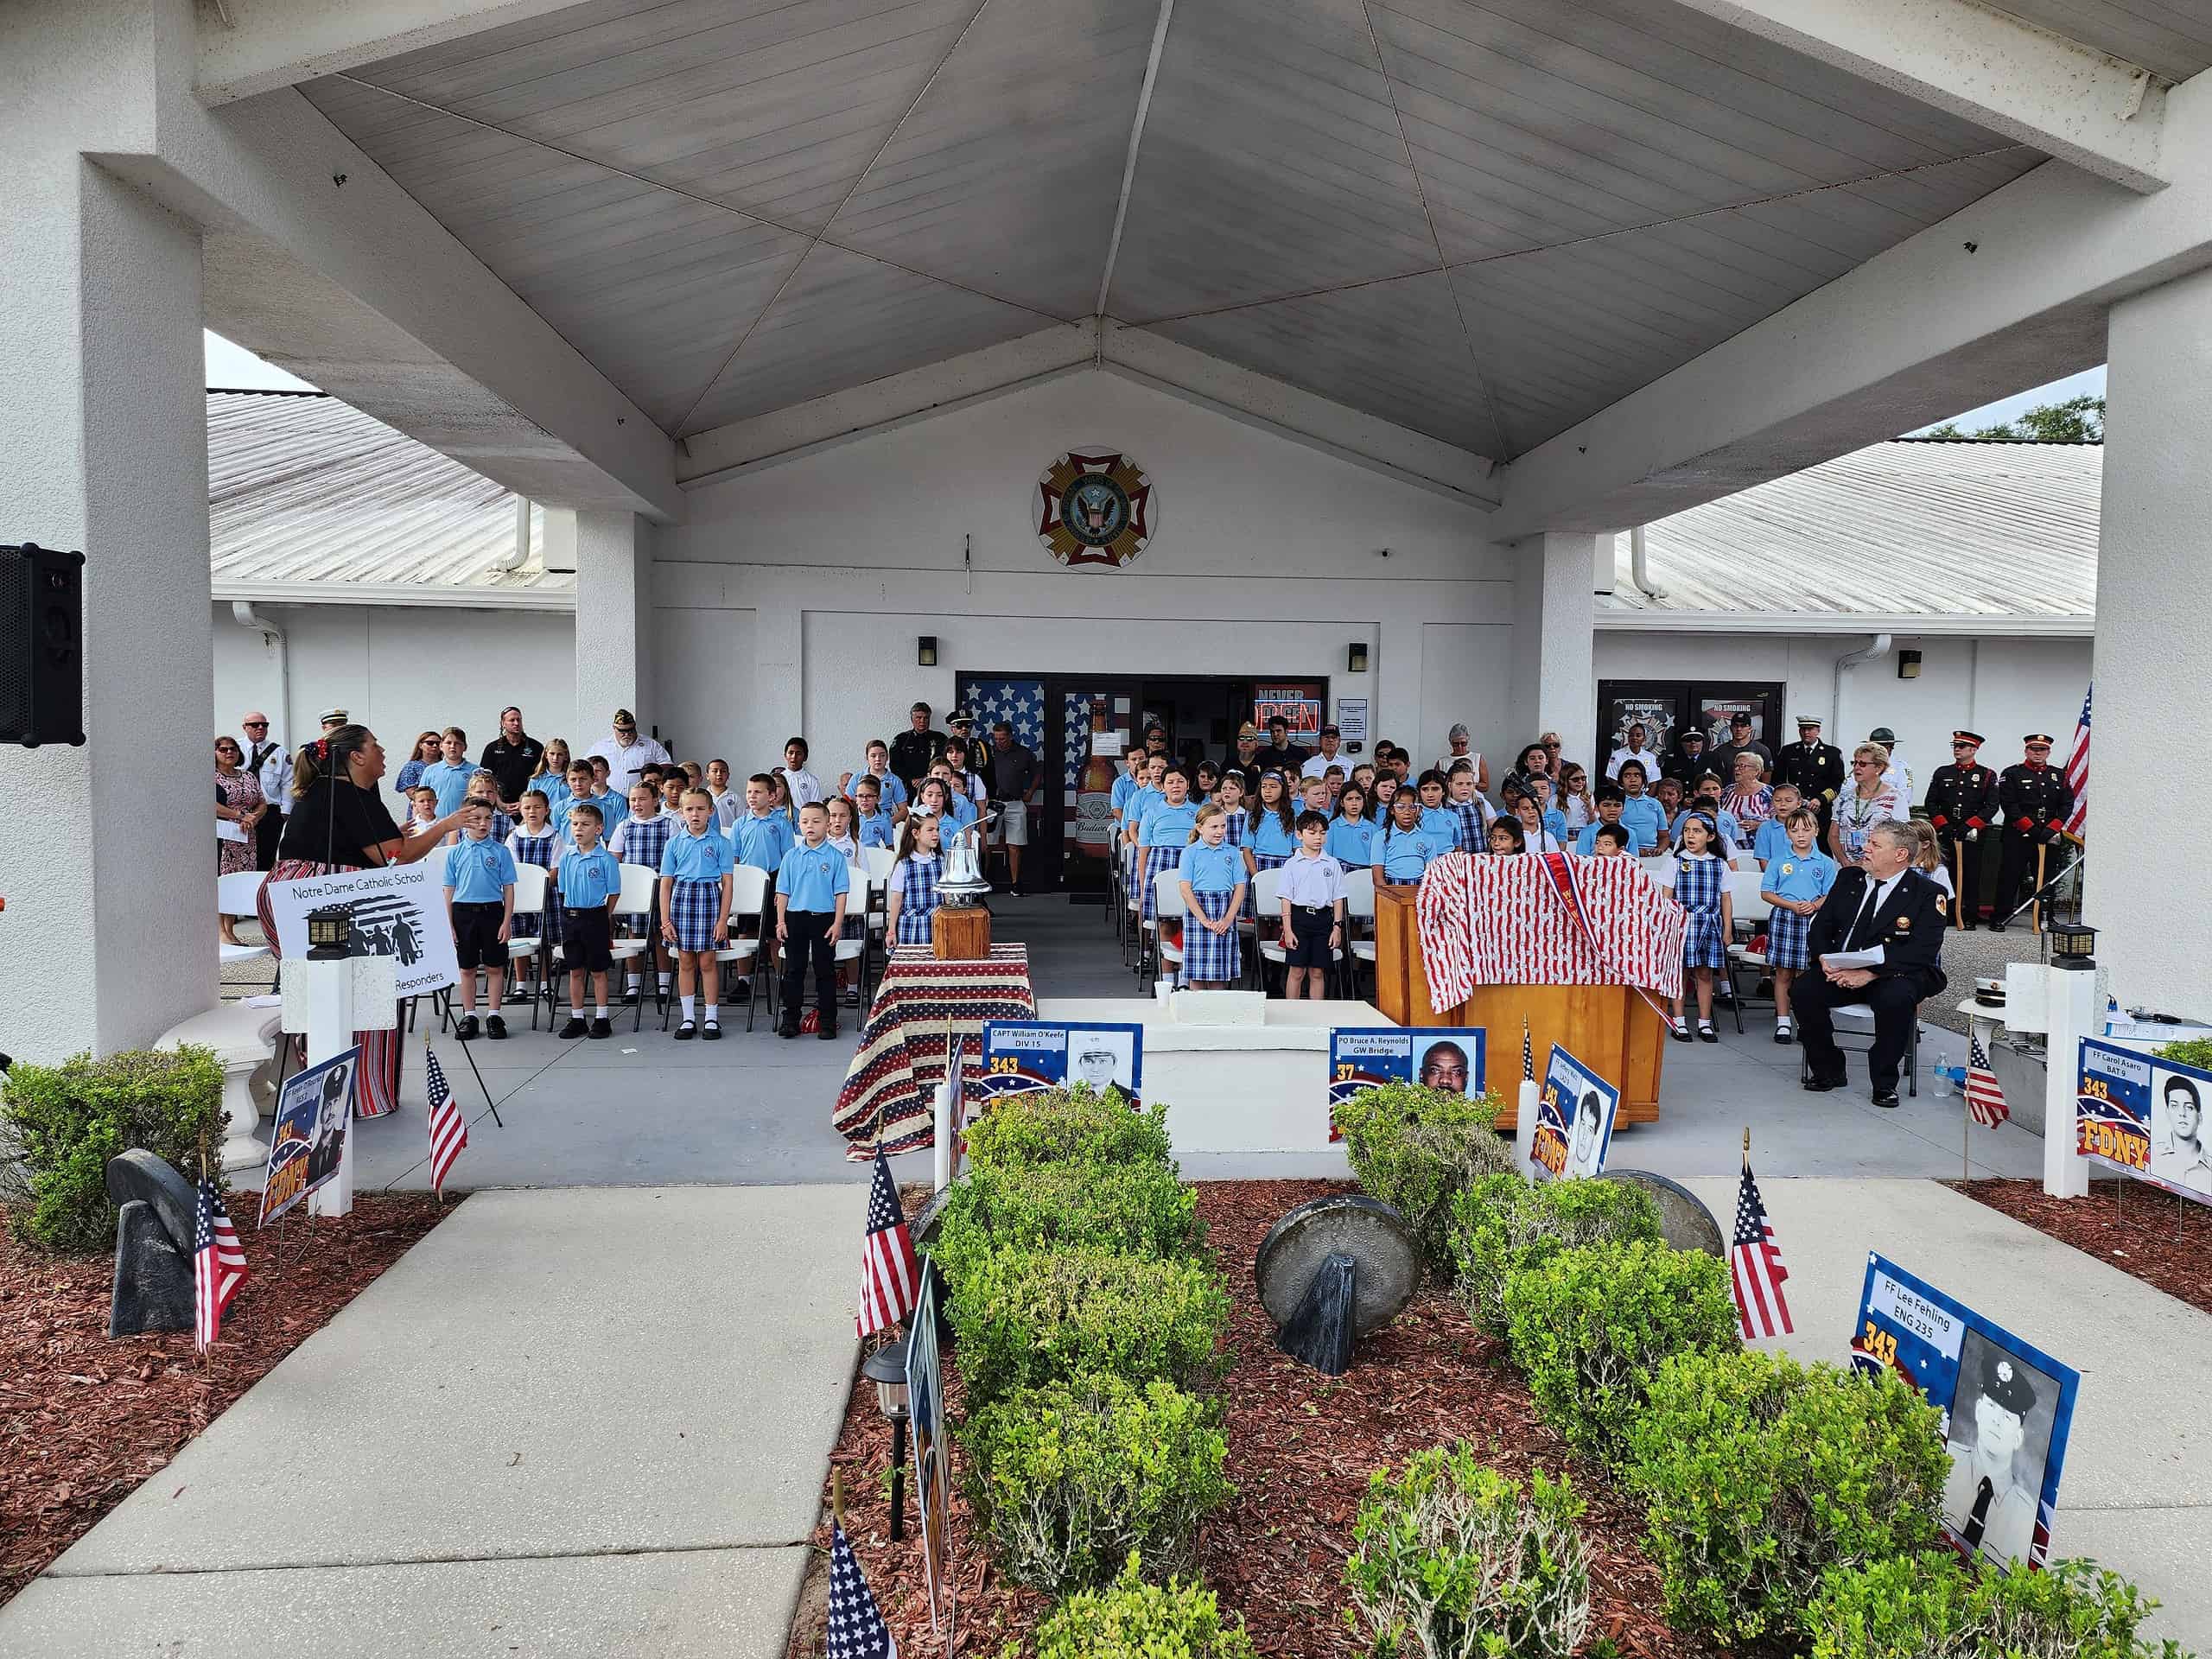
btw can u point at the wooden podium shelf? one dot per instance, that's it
(1608, 1028)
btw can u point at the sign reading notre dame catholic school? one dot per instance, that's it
(398, 912)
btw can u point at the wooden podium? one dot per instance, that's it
(1608, 1027)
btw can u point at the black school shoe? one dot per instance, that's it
(789, 1028)
(712, 1032)
(1708, 1035)
(1888, 1100)
(495, 1027)
(576, 1027)
(686, 1032)
(601, 1028)
(468, 1031)
(826, 1030)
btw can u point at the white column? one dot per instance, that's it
(2149, 895)
(1559, 574)
(108, 936)
(614, 609)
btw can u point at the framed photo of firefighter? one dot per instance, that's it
(1022, 1057)
(2145, 1116)
(1574, 1119)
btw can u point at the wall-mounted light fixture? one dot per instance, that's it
(1356, 658)
(1908, 665)
(925, 651)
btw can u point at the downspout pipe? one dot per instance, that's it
(1872, 652)
(1639, 571)
(245, 616)
(514, 558)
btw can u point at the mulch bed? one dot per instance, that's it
(1300, 1449)
(84, 1420)
(2134, 1229)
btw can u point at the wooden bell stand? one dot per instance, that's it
(960, 933)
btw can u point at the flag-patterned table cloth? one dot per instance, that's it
(890, 1090)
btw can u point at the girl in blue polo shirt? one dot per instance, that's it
(1212, 879)
(695, 864)
(1352, 832)
(1640, 811)
(1795, 884)
(1272, 825)
(1168, 826)
(1403, 849)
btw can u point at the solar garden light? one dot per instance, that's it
(330, 933)
(886, 1368)
(2073, 945)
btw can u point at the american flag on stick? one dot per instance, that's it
(890, 1278)
(1755, 1269)
(448, 1132)
(218, 1266)
(2078, 768)
(1984, 1098)
(856, 1629)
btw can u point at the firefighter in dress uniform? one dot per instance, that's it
(2035, 802)
(1962, 803)
(1816, 768)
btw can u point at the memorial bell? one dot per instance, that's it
(963, 882)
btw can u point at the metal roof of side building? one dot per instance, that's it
(310, 499)
(1932, 536)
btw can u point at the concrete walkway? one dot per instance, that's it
(589, 1422)
(2136, 1494)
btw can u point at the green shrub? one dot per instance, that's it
(2190, 1051)
(1934, 1607)
(60, 1125)
(1026, 1317)
(1075, 1125)
(1453, 1558)
(1135, 1620)
(1761, 1475)
(1139, 1208)
(1069, 1478)
(1416, 1148)
(1589, 1327)
(1501, 1223)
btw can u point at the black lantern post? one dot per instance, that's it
(886, 1368)
(330, 933)
(2073, 945)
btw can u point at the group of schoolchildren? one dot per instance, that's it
(683, 822)
(1380, 817)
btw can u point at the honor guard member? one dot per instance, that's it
(1962, 803)
(2034, 801)
(1983, 1500)
(1816, 768)
(1689, 761)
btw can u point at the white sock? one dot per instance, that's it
(714, 1014)
(602, 1010)
(663, 981)
(575, 1011)
(687, 1010)
(1704, 1024)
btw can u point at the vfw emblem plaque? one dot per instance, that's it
(1096, 509)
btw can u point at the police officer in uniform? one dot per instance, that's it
(1962, 803)
(1689, 762)
(1815, 768)
(1983, 1500)
(2034, 801)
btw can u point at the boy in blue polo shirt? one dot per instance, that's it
(1610, 803)
(481, 901)
(450, 773)
(810, 888)
(591, 885)
(1795, 884)
(763, 835)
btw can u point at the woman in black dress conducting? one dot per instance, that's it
(337, 824)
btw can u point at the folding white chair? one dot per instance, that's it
(748, 900)
(867, 889)
(1861, 1018)
(1127, 865)
(1359, 918)
(1265, 902)
(239, 894)
(1750, 911)
(878, 861)
(530, 884)
(640, 897)
(1167, 905)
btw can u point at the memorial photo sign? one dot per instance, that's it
(1574, 1119)
(932, 1448)
(1022, 1057)
(2007, 1409)
(2145, 1116)
(1436, 1057)
(308, 1137)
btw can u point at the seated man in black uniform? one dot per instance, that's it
(1883, 903)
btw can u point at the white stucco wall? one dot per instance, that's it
(2001, 688)
(815, 576)
(402, 670)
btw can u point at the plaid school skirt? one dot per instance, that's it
(1207, 955)
(692, 907)
(1703, 946)
(1789, 940)
(1154, 860)
(1270, 861)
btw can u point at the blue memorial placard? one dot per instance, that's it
(2007, 1408)
(308, 1136)
(1364, 1057)
(1021, 1057)
(1574, 1119)
(2144, 1116)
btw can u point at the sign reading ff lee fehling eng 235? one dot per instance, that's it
(1574, 1119)
(308, 1138)
(1436, 1057)
(2145, 1116)
(2006, 1410)
(1021, 1057)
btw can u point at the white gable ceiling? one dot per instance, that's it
(1482, 221)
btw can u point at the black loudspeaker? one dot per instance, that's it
(41, 645)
